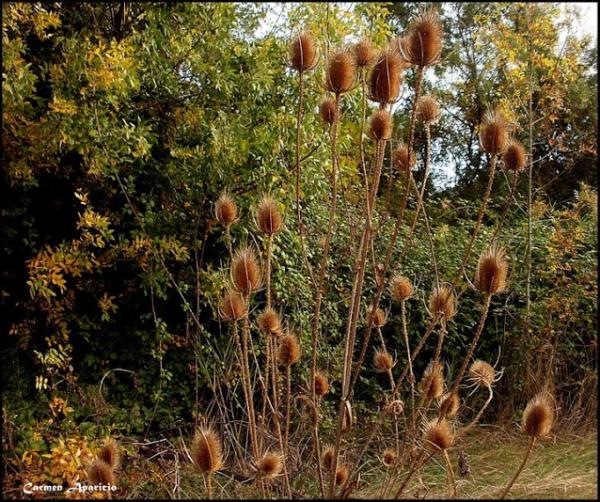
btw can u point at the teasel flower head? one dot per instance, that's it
(225, 210)
(482, 374)
(423, 43)
(394, 408)
(340, 74)
(514, 157)
(110, 454)
(386, 77)
(493, 132)
(341, 475)
(437, 435)
(270, 220)
(380, 125)
(270, 465)
(383, 361)
(327, 110)
(303, 52)
(389, 457)
(428, 110)
(401, 288)
(442, 303)
(232, 306)
(376, 317)
(245, 271)
(288, 352)
(538, 417)
(206, 450)
(321, 384)
(432, 383)
(269, 322)
(400, 158)
(492, 268)
(449, 404)
(100, 473)
(327, 457)
(364, 53)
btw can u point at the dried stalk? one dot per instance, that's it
(525, 458)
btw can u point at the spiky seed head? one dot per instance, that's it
(270, 220)
(389, 457)
(386, 78)
(400, 157)
(100, 473)
(490, 276)
(110, 454)
(437, 435)
(423, 44)
(303, 52)
(245, 271)
(401, 288)
(321, 384)
(341, 72)
(383, 361)
(482, 374)
(270, 465)
(225, 210)
(327, 457)
(341, 475)
(538, 417)
(493, 132)
(269, 322)
(232, 306)
(364, 53)
(288, 352)
(428, 109)
(327, 110)
(376, 316)
(442, 302)
(514, 157)
(206, 450)
(449, 404)
(432, 383)
(380, 125)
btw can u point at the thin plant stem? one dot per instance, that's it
(509, 199)
(410, 367)
(451, 480)
(466, 429)
(523, 462)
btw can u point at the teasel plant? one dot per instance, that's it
(101, 471)
(207, 454)
(226, 214)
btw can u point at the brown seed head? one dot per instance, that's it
(303, 52)
(380, 126)
(389, 457)
(289, 350)
(538, 417)
(206, 450)
(270, 465)
(376, 316)
(245, 271)
(341, 475)
(327, 457)
(269, 216)
(321, 384)
(428, 109)
(100, 473)
(482, 374)
(514, 156)
(400, 156)
(437, 435)
(449, 404)
(232, 306)
(225, 210)
(327, 110)
(493, 133)
(341, 72)
(383, 361)
(364, 53)
(401, 288)
(432, 383)
(490, 276)
(269, 322)
(423, 44)
(386, 78)
(110, 454)
(442, 302)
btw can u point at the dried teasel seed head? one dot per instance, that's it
(423, 43)
(110, 454)
(225, 210)
(389, 457)
(270, 465)
(245, 271)
(437, 435)
(383, 361)
(538, 417)
(376, 317)
(303, 52)
(321, 384)
(401, 288)
(100, 473)
(493, 132)
(341, 72)
(380, 125)
(482, 374)
(232, 306)
(386, 77)
(341, 475)
(432, 383)
(288, 352)
(514, 157)
(327, 457)
(449, 404)
(364, 53)
(270, 220)
(269, 322)
(442, 302)
(206, 450)
(428, 109)
(394, 408)
(400, 157)
(327, 110)
(492, 268)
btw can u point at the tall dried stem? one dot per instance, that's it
(523, 462)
